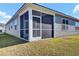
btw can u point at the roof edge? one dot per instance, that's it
(57, 12)
(15, 13)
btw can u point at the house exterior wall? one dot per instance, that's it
(10, 27)
(42, 10)
(2, 29)
(56, 18)
(15, 21)
(58, 31)
(27, 7)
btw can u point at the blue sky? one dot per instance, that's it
(66, 8)
(71, 9)
(8, 10)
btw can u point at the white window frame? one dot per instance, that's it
(66, 25)
(40, 25)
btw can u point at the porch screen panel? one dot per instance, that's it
(24, 32)
(36, 23)
(37, 13)
(36, 27)
(21, 22)
(47, 26)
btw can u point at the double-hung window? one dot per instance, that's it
(65, 24)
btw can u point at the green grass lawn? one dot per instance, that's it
(64, 46)
(8, 40)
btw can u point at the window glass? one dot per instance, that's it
(15, 22)
(63, 21)
(15, 27)
(36, 23)
(35, 13)
(26, 16)
(47, 33)
(47, 25)
(22, 33)
(26, 34)
(24, 25)
(66, 21)
(11, 26)
(0, 30)
(65, 24)
(36, 33)
(21, 22)
(36, 26)
(47, 21)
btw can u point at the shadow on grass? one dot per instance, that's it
(9, 40)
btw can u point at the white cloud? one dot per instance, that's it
(76, 9)
(4, 17)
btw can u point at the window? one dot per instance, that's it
(47, 21)
(24, 32)
(47, 25)
(35, 13)
(15, 21)
(26, 25)
(65, 24)
(63, 21)
(0, 30)
(36, 26)
(15, 27)
(11, 27)
(21, 22)
(36, 33)
(47, 33)
(36, 23)
(26, 16)
(66, 21)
